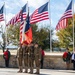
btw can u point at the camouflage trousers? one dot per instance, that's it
(26, 63)
(20, 60)
(37, 62)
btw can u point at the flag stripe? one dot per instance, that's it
(40, 16)
(39, 20)
(21, 31)
(62, 24)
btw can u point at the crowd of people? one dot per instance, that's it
(30, 54)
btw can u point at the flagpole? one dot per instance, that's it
(50, 28)
(73, 22)
(27, 8)
(5, 26)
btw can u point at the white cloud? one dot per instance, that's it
(35, 4)
(9, 16)
(1, 39)
(54, 35)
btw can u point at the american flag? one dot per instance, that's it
(1, 14)
(14, 20)
(17, 18)
(64, 19)
(40, 14)
(26, 37)
(23, 16)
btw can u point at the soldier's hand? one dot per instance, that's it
(39, 59)
(15, 56)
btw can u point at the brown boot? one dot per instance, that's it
(37, 72)
(31, 70)
(20, 71)
(26, 70)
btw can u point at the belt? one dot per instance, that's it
(25, 53)
(31, 53)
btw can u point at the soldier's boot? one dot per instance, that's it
(37, 71)
(31, 70)
(20, 69)
(26, 70)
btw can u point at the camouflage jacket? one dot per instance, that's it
(25, 51)
(37, 52)
(20, 52)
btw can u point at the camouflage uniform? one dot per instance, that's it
(20, 58)
(37, 57)
(25, 57)
(31, 58)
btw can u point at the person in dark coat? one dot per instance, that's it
(73, 59)
(6, 56)
(42, 57)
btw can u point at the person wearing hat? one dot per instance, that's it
(31, 57)
(25, 57)
(20, 58)
(37, 57)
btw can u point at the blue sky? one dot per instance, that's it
(57, 8)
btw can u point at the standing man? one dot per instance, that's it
(73, 59)
(31, 57)
(20, 58)
(37, 57)
(42, 57)
(6, 56)
(25, 57)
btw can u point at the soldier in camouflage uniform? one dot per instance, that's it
(37, 57)
(20, 58)
(31, 57)
(25, 57)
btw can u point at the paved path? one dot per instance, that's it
(13, 71)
